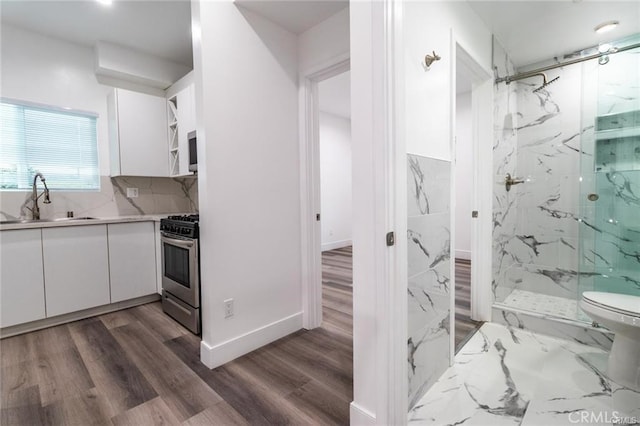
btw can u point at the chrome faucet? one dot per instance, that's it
(35, 210)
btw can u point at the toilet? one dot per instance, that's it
(620, 313)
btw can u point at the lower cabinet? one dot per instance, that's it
(132, 260)
(76, 268)
(53, 271)
(21, 277)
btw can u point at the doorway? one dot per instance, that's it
(334, 138)
(472, 208)
(464, 325)
(310, 173)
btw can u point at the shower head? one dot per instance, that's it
(545, 83)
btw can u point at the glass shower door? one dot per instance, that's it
(609, 196)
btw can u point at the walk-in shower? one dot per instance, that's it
(573, 225)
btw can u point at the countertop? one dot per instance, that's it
(50, 223)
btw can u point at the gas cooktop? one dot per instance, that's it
(185, 226)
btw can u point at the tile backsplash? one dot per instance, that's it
(155, 196)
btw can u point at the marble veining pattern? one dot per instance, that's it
(510, 376)
(569, 329)
(429, 272)
(505, 159)
(156, 195)
(548, 237)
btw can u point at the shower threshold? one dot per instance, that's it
(544, 304)
(550, 315)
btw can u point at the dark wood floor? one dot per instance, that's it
(337, 291)
(465, 327)
(139, 367)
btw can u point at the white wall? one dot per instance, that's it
(246, 99)
(327, 40)
(48, 71)
(45, 70)
(464, 176)
(429, 94)
(335, 181)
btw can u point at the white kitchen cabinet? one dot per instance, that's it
(132, 260)
(137, 134)
(76, 268)
(181, 109)
(21, 277)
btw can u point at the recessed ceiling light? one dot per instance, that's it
(606, 26)
(105, 2)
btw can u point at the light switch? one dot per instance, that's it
(132, 192)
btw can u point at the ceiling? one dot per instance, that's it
(160, 28)
(533, 31)
(296, 16)
(335, 95)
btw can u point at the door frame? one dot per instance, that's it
(310, 250)
(482, 186)
(379, 193)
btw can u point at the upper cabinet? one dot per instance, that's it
(137, 134)
(181, 110)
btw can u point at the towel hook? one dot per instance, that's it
(430, 59)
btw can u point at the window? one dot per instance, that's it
(61, 144)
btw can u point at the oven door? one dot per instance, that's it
(180, 275)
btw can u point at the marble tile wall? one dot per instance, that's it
(156, 195)
(429, 272)
(506, 274)
(552, 240)
(549, 158)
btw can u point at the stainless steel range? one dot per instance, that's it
(181, 270)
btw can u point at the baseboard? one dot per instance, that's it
(216, 355)
(463, 254)
(359, 416)
(336, 245)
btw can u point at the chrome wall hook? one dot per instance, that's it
(430, 59)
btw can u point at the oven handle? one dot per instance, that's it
(177, 242)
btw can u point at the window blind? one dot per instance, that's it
(60, 144)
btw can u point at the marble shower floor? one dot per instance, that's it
(507, 376)
(546, 305)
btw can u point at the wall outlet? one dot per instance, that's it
(132, 192)
(228, 308)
